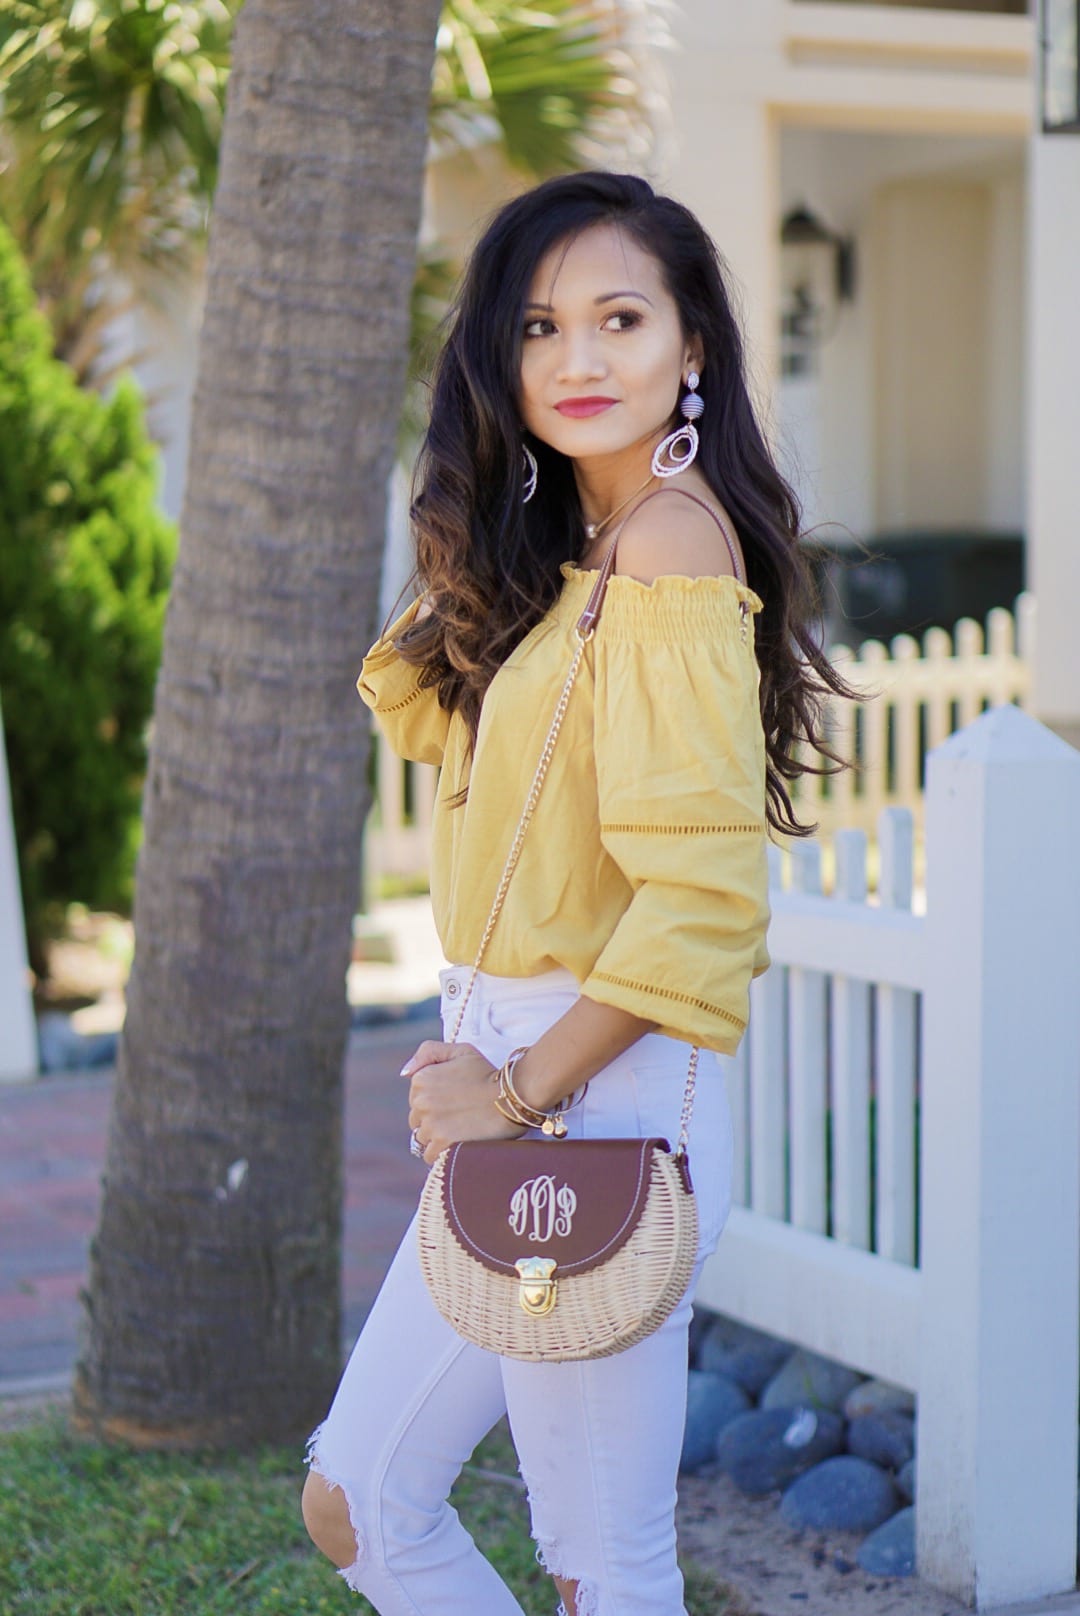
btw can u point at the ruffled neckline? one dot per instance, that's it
(666, 585)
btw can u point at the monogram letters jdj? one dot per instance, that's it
(543, 1210)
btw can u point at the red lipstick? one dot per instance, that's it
(580, 408)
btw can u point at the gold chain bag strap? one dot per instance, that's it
(553, 1250)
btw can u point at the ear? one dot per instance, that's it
(695, 357)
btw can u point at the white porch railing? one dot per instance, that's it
(907, 1109)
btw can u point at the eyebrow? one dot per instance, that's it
(605, 297)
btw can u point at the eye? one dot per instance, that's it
(540, 327)
(627, 319)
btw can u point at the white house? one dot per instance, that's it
(937, 391)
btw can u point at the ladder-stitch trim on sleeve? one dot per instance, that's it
(681, 830)
(395, 706)
(668, 993)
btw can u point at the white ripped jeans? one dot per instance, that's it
(598, 1442)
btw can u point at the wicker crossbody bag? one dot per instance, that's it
(547, 1250)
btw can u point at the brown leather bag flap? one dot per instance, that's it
(575, 1200)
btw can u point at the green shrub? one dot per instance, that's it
(85, 563)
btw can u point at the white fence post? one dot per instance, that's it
(1000, 1158)
(18, 1038)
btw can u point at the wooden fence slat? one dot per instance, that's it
(907, 771)
(807, 1009)
(937, 655)
(895, 1059)
(874, 719)
(969, 648)
(850, 1063)
(737, 1076)
(767, 1036)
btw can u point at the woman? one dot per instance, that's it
(591, 311)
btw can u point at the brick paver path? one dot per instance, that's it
(52, 1150)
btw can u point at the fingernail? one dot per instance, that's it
(406, 1069)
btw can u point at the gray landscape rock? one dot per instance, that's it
(889, 1551)
(878, 1397)
(808, 1380)
(885, 1439)
(764, 1450)
(702, 1320)
(905, 1481)
(712, 1402)
(749, 1357)
(841, 1494)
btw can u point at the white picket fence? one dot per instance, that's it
(907, 1110)
(397, 838)
(919, 693)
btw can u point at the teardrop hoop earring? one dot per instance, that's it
(679, 449)
(532, 472)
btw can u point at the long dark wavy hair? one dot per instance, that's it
(489, 564)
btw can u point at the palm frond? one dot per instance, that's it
(534, 76)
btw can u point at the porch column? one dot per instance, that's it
(723, 161)
(1053, 380)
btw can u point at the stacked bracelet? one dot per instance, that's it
(509, 1104)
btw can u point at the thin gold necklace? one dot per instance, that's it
(593, 530)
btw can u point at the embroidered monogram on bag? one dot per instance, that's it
(543, 1210)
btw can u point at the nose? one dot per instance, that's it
(580, 359)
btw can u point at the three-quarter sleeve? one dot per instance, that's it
(680, 763)
(408, 712)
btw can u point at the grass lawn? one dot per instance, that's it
(87, 1530)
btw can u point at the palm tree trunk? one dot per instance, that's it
(213, 1309)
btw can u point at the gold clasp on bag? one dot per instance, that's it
(537, 1290)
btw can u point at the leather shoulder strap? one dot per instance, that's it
(591, 615)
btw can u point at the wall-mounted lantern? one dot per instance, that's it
(801, 228)
(1059, 66)
(817, 275)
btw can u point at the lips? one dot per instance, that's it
(580, 408)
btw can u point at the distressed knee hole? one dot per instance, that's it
(331, 1517)
(586, 1600)
(549, 1556)
(587, 1597)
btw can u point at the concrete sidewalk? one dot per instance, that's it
(52, 1149)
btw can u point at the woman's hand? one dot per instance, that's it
(452, 1097)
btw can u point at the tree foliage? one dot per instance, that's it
(85, 562)
(531, 77)
(112, 117)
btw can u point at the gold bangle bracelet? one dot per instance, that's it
(569, 1101)
(511, 1095)
(508, 1115)
(525, 1115)
(549, 1122)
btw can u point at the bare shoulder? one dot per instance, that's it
(671, 533)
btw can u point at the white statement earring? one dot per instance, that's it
(532, 472)
(679, 448)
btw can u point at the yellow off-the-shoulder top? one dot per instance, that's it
(644, 868)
